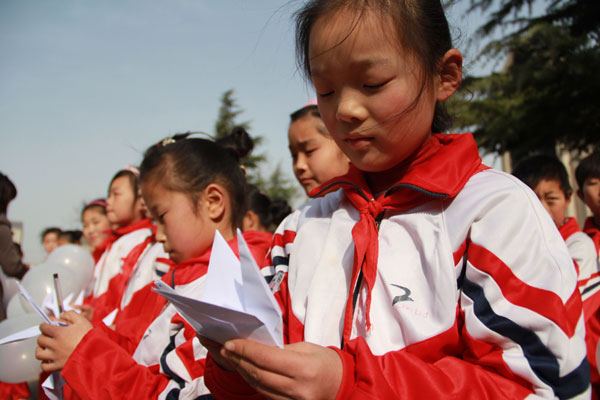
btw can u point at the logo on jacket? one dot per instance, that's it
(404, 297)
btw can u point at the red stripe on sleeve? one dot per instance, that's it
(541, 301)
(282, 240)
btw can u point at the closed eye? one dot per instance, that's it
(374, 87)
(325, 94)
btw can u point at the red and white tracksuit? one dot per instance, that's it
(583, 251)
(453, 283)
(153, 355)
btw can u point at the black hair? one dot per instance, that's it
(310, 109)
(535, 169)
(52, 229)
(421, 26)
(73, 236)
(133, 181)
(589, 167)
(313, 111)
(189, 165)
(8, 192)
(98, 205)
(270, 211)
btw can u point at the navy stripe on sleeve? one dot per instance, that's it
(541, 360)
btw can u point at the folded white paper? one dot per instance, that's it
(236, 302)
(53, 386)
(37, 308)
(22, 335)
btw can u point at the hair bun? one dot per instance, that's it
(238, 141)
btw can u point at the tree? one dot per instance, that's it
(546, 94)
(277, 185)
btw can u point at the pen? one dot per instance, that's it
(58, 293)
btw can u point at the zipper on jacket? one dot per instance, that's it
(360, 278)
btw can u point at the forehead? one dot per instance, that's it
(548, 186)
(352, 37)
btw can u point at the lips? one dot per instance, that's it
(358, 141)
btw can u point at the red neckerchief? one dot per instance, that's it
(438, 170)
(568, 228)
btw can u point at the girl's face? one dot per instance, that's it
(122, 207)
(316, 158)
(184, 230)
(369, 91)
(95, 226)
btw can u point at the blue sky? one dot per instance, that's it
(87, 86)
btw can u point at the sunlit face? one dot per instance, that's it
(122, 207)
(367, 88)
(95, 226)
(50, 241)
(590, 194)
(553, 199)
(316, 157)
(185, 231)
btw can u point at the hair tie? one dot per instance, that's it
(311, 102)
(97, 203)
(165, 142)
(132, 169)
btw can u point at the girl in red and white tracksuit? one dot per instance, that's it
(125, 211)
(192, 187)
(421, 274)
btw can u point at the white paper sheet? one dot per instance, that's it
(236, 302)
(52, 389)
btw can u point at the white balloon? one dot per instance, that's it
(75, 257)
(15, 307)
(17, 359)
(39, 281)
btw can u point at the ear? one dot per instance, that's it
(450, 74)
(580, 194)
(214, 201)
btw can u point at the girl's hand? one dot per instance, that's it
(56, 343)
(86, 310)
(214, 348)
(300, 370)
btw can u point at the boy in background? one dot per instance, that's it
(587, 175)
(548, 178)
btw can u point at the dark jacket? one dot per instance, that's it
(10, 257)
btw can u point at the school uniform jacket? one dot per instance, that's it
(107, 281)
(583, 251)
(593, 231)
(453, 283)
(154, 355)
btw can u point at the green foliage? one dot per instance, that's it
(547, 93)
(277, 185)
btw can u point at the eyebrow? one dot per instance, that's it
(356, 65)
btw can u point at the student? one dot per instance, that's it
(50, 238)
(315, 156)
(96, 227)
(587, 175)
(192, 187)
(264, 214)
(421, 273)
(69, 237)
(125, 212)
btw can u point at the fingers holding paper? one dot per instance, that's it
(300, 370)
(56, 343)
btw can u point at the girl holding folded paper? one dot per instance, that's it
(192, 187)
(421, 273)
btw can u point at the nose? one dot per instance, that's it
(350, 107)
(300, 164)
(160, 236)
